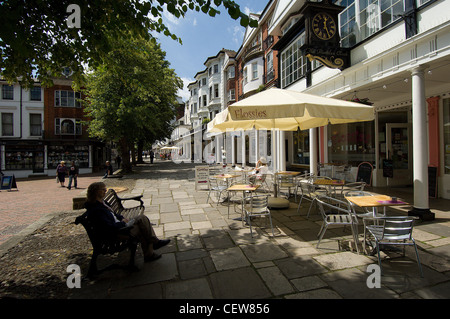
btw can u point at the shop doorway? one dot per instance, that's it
(399, 151)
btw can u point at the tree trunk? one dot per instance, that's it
(125, 154)
(140, 149)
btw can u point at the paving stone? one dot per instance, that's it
(263, 252)
(188, 242)
(189, 289)
(342, 260)
(276, 281)
(352, 284)
(308, 283)
(229, 258)
(221, 240)
(315, 294)
(299, 267)
(242, 283)
(177, 226)
(159, 270)
(439, 291)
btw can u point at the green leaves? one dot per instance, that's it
(35, 40)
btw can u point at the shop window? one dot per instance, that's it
(35, 125)
(351, 143)
(447, 135)
(7, 124)
(18, 157)
(301, 147)
(68, 153)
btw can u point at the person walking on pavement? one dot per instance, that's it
(152, 156)
(109, 223)
(118, 161)
(73, 176)
(61, 172)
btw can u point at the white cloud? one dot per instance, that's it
(237, 34)
(195, 22)
(184, 93)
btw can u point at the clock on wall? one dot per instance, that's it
(322, 40)
(324, 26)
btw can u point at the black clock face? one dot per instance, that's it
(324, 26)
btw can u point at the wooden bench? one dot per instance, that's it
(110, 245)
(115, 202)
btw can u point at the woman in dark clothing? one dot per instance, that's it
(108, 223)
(61, 171)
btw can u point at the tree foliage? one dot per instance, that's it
(131, 96)
(35, 38)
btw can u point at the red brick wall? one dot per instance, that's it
(51, 112)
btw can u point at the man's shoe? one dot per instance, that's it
(161, 243)
(153, 257)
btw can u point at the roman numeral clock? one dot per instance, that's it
(322, 41)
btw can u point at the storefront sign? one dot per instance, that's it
(365, 173)
(388, 168)
(8, 182)
(201, 176)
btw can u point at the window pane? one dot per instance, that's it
(7, 124)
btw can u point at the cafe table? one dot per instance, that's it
(330, 184)
(375, 201)
(242, 188)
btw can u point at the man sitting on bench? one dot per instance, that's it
(108, 223)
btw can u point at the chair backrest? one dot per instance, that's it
(321, 177)
(357, 193)
(259, 201)
(397, 227)
(285, 179)
(330, 205)
(355, 186)
(113, 201)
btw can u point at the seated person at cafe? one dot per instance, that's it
(260, 169)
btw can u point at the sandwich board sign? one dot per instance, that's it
(201, 176)
(8, 182)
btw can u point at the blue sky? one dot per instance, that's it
(203, 36)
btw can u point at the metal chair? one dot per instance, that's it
(311, 192)
(257, 206)
(396, 230)
(363, 212)
(342, 172)
(286, 181)
(217, 185)
(336, 212)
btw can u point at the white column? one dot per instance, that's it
(313, 151)
(282, 150)
(274, 151)
(420, 143)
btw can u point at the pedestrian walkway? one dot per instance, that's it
(34, 199)
(212, 256)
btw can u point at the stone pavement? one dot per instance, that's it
(34, 199)
(213, 256)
